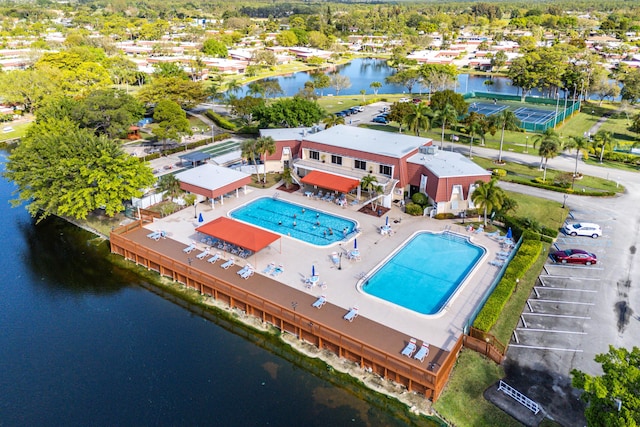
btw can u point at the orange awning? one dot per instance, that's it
(238, 233)
(330, 181)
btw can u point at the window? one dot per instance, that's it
(360, 164)
(314, 155)
(385, 170)
(336, 160)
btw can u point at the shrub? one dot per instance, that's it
(219, 120)
(447, 215)
(499, 173)
(414, 209)
(420, 199)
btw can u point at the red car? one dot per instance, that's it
(575, 256)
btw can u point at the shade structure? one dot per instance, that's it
(509, 233)
(238, 233)
(330, 181)
(200, 218)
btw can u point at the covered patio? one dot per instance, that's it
(332, 182)
(235, 233)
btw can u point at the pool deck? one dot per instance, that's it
(441, 330)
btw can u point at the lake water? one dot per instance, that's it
(363, 71)
(85, 342)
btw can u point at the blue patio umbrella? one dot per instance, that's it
(509, 233)
(386, 221)
(355, 243)
(200, 219)
(313, 270)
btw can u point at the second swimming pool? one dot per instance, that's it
(426, 272)
(300, 222)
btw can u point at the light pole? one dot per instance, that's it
(213, 136)
(564, 202)
(340, 264)
(526, 144)
(195, 208)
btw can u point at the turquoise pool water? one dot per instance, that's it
(424, 273)
(311, 225)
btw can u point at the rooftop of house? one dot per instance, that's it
(446, 164)
(210, 176)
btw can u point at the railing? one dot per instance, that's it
(519, 397)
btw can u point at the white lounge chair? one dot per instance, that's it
(244, 269)
(214, 258)
(269, 268)
(423, 352)
(189, 248)
(247, 273)
(228, 264)
(335, 259)
(203, 254)
(155, 235)
(410, 348)
(496, 263)
(320, 302)
(278, 270)
(351, 314)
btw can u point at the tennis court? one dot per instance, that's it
(533, 115)
(486, 108)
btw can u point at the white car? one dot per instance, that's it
(583, 229)
(403, 100)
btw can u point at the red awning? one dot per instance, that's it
(238, 233)
(330, 181)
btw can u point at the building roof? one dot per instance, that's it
(210, 176)
(389, 144)
(238, 233)
(196, 156)
(289, 134)
(330, 181)
(447, 164)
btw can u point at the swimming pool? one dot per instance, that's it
(423, 274)
(300, 222)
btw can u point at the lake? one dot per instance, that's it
(85, 342)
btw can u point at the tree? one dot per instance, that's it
(265, 145)
(549, 147)
(441, 98)
(108, 111)
(170, 184)
(473, 125)
(185, 93)
(249, 152)
(29, 88)
(289, 112)
(631, 88)
(339, 82)
(605, 89)
(243, 107)
(169, 69)
(375, 86)
(580, 143)
(320, 81)
(505, 120)
(407, 78)
(214, 48)
(171, 121)
(612, 398)
(488, 196)
(419, 118)
(447, 114)
(398, 112)
(60, 169)
(370, 184)
(601, 140)
(332, 120)
(271, 88)
(499, 60)
(287, 38)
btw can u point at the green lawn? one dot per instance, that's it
(19, 129)
(462, 403)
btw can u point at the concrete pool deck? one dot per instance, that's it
(441, 330)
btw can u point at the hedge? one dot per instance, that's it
(524, 259)
(219, 120)
(413, 209)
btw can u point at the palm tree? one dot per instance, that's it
(601, 140)
(256, 89)
(370, 184)
(375, 86)
(488, 196)
(447, 114)
(234, 86)
(473, 123)
(265, 145)
(170, 184)
(506, 120)
(332, 120)
(550, 146)
(363, 92)
(580, 143)
(249, 150)
(419, 118)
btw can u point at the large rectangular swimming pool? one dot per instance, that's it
(300, 222)
(423, 274)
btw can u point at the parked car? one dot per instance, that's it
(341, 114)
(416, 100)
(360, 108)
(582, 229)
(403, 100)
(574, 256)
(354, 110)
(380, 119)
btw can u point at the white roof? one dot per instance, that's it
(447, 164)
(210, 176)
(389, 144)
(288, 134)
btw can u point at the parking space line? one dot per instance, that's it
(551, 331)
(562, 302)
(566, 316)
(544, 348)
(554, 276)
(578, 267)
(553, 288)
